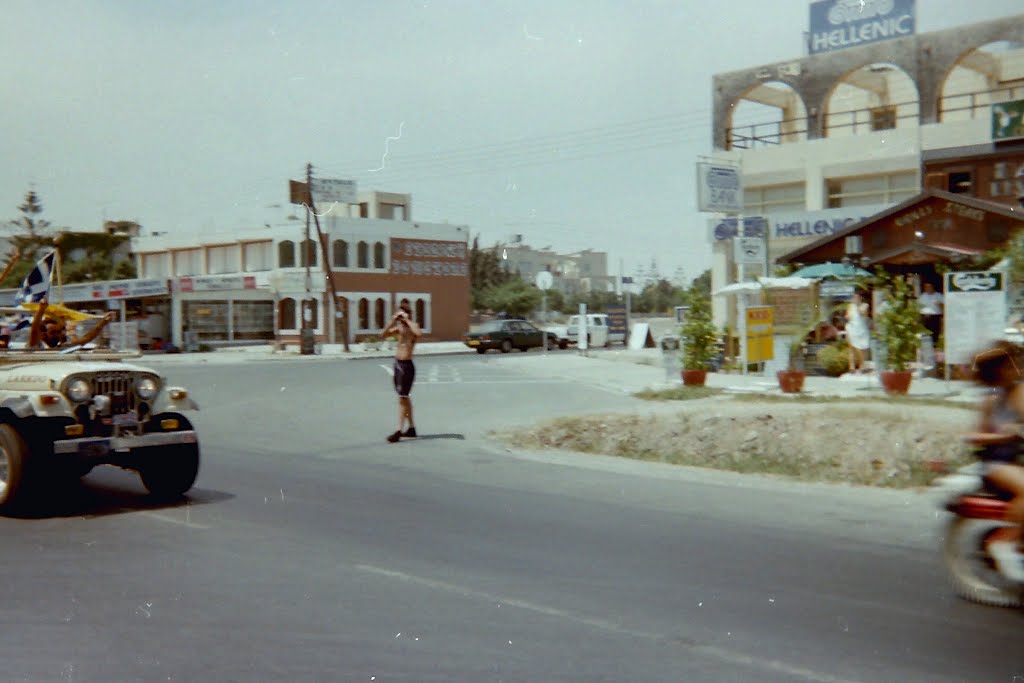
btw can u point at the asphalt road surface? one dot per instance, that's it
(312, 550)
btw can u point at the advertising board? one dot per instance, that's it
(839, 24)
(719, 188)
(974, 313)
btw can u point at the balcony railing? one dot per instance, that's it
(771, 133)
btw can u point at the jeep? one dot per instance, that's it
(63, 413)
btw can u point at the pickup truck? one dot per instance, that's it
(598, 333)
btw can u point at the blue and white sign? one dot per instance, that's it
(719, 188)
(838, 24)
(726, 229)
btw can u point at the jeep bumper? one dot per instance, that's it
(101, 446)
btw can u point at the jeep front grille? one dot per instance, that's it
(119, 387)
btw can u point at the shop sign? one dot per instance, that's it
(429, 258)
(216, 283)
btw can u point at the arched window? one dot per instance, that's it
(313, 314)
(308, 253)
(364, 314)
(340, 256)
(362, 255)
(378, 313)
(286, 254)
(421, 313)
(378, 255)
(286, 315)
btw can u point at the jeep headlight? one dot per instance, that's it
(78, 390)
(146, 388)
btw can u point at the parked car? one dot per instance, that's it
(598, 332)
(506, 335)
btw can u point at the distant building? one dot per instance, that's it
(574, 273)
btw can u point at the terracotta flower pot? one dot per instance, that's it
(896, 382)
(695, 378)
(791, 381)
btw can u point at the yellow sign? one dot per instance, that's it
(760, 333)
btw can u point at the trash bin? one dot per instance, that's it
(307, 345)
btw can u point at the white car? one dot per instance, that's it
(598, 333)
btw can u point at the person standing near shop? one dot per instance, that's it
(404, 373)
(858, 331)
(931, 303)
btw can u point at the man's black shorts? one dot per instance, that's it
(404, 375)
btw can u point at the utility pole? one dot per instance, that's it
(306, 346)
(324, 251)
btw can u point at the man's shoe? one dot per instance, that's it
(395, 437)
(409, 433)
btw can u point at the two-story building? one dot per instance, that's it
(270, 283)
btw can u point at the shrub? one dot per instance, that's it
(834, 359)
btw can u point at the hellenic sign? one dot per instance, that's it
(802, 225)
(429, 257)
(838, 24)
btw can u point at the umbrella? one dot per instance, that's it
(766, 282)
(821, 270)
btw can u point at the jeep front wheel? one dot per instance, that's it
(13, 457)
(170, 471)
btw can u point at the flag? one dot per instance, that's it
(36, 284)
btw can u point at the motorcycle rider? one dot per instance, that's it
(1000, 439)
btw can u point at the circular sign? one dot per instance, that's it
(544, 280)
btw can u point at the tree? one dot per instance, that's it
(659, 297)
(514, 297)
(30, 223)
(486, 271)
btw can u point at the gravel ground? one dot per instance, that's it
(881, 443)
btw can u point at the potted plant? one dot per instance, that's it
(899, 329)
(791, 380)
(699, 340)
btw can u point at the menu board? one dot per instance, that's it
(974, 313)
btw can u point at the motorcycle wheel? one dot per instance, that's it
(971, 569)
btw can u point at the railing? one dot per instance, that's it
(972, 104)
(772, 133)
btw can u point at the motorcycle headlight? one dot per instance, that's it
(78, 390)
(146, 388)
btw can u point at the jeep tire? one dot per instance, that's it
(13, 465)
(170, 471)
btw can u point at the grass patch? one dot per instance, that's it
(679, 393)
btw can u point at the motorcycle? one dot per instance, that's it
(979, 547)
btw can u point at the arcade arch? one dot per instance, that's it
(770, 113)
(878, 96)
(980, 77)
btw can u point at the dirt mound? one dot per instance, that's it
(882, 444)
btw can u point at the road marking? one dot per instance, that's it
(711, 651)
(174, 520)
(390, 369)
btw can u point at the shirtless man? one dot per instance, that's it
(408, 332)
(52, 333)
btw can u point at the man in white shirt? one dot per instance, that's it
(931, 303)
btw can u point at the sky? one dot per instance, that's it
(574, 123)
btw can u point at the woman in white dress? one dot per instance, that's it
(858, 334)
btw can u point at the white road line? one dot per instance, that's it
(390, 369)
(186, 522)
(710, 651)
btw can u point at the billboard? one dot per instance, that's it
(839, 24)
(719, 188)
(1008, 120)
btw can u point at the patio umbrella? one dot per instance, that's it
(822, 270)
(790, 282)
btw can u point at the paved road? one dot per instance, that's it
(312, 550)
